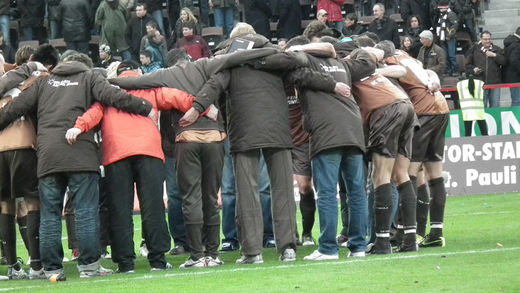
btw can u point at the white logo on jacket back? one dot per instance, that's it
(58, 83)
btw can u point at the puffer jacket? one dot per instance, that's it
(58, 99)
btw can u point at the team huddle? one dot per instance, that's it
(325, 112)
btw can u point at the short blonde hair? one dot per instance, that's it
(241, 29)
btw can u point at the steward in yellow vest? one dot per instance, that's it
(471, 97)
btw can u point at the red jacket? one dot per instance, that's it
(333, 8)
(126, 134)
(195, 46)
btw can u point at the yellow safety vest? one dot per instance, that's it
(472, 106)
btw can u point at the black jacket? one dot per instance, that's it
(512, 51)
(135, 31)
(32, 13)
(357, 29)
(385, 29)
(491, 66)
(58, 100)
(258, 13)
(75, 20)
(4, 7)
(290, 19)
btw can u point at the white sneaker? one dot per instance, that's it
(101, 271)
(213, 262)
(190, 263)
(35, 275)
(250, 260)
(316, 255)
(356, 254)
(143, 250)
(308, 241)
(288, 255)
(65, 259)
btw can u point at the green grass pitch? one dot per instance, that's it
(482, 255)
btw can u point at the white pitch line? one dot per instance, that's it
(481, 213)
(299, 264)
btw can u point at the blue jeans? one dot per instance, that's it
(55, 27)
(127, 55)
(204, 12)
(175, 216)
(371, 232)
(84, 192)
(326, 167)
(515, 96)
(224, 18)
(228, 193)
(5, 26)
(450, 47)
(492, 98)
(158, 17)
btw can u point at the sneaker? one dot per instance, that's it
(28, 261)
(178, 250)
(229, 246)
(75, 254)
(356, 254)
(14, 274)
(270, 243)
(433, 241)
(213, 262)
(119, 271)
(308, 241)
(36, 275)
(379, 248)
(101, 271)
(58, 277)
(341, 240)
(167, 267)
(419, 239)
(4, 278)
(288, 255)
(190, 263)
(250, 260)
(316, 255)
(408, 248)
(65, 259)
(143, 250)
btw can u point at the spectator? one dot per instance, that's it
(204, 13)
(512, 68)
(154, 42)
(5, 20)
(383, 26)
(431, 55)
(75, 23)
(414, 28)
(154, 8)
(174, 8)
(53, 16)
(322, 16)
(290, 19)
(136, 29)
(147, 65)
(464, 10)
(105, 56)
(6, 50)
(333, 8)
(407, 45)
(186, 16)
(195, 45)
(352, 28)
(485, 60)
(32, 13)
(446, 23)
(224, 13)
(112, 17)
(420, 8)
(472, 104)
(258, 13)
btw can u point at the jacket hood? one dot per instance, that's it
(511, 39)
(70, 68)
(259, 41)
(344, 49)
